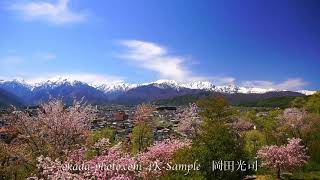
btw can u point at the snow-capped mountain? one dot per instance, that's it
(229, 89)
(163, 83)
(116, 87)
(17, 87)
(35, 92)
(123, 87)
(54, 83)
(249, 90)
(204, 85)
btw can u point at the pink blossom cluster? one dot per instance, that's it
(144, 113)
(190, 121)
(102, 145)
(294, 117)
(113, 164)
(76, 156)
(55, 170)
(288, 156)
(160, 154)
(54, 123)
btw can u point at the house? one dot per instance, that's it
(119, 116)
(168, 108)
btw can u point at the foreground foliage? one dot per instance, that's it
(55, 142)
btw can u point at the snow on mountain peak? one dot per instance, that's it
(17, 81)
(113, 87)
(163, 83)
(204, 85)
(307, 92)
(231, 88)
(53, 82)
(249, 90)
(110, 87)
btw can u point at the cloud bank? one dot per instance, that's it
(58, 13)
(157, 58)
(154, 57)
(289, 84)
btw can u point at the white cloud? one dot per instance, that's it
(222, 80)
(15, 59)
(289, 84)
(58, 13)
(156, 58)
(45, 56)
(90, 78)
(11, 60)
(10, 64)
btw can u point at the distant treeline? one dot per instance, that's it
(236, 100)
(281, 102)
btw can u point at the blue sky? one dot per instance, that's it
(253, 43)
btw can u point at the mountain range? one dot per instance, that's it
(35, 93)
(7, 99)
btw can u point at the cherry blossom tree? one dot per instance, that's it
(144, 113)
(63, 128)
(55, 169)
(114, 163)
(77, 167)
(295, 122)
(158, 155)
(296, 119)
(55, 125)
(102, 145)
(285, 157)
(190, 121)
(117, 162)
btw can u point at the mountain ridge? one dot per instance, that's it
(34, 93)
(122, 86)
(8, 99)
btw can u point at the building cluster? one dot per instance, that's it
(121, 119)
(118, 117)
(7, 132)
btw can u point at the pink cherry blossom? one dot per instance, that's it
(160, 154)
(190, 121)
(113, 164)
(285, 157)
